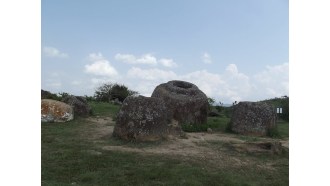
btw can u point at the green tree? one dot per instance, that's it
(120, 92)
(110, 91)
(102, 93)
(211, 102)
(283, 103)
(219, 107)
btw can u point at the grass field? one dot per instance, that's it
(70, 156)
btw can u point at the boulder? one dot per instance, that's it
(253, 118)
(79, 104)
(55, 111)
(185, 102)
(144, 119)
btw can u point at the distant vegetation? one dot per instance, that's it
(104, 93)
(113, 91)
(282, 102)
(110, 91)
(48, 95)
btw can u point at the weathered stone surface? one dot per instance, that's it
(79, 104)
(144, 119)
(253, 118)
(55, 111)
(185, 102)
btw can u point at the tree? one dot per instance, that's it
(219, 107)
(211, 102)
(285, 106)
(102, 93)
(110, 91)
(120, 92)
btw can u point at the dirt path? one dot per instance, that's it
(208, 147)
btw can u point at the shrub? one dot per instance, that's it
(48, 95)
(273, 132)
(283, 103)
(109, 91)
(194, 128)
(211, 102)
(228, 127)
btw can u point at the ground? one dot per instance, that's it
(197, 144)
(83, 152)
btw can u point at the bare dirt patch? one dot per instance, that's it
(217, 149)
(102, 127)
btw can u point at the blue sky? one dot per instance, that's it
(232, 50)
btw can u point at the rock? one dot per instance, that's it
(79, 104)
(253, 118)
(185, 102)
(209, 130)
(144, 119)
(55, 111)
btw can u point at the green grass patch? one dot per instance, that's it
(68, 157)
(215, 123)
(248, 138)
(280, 131)
(283, 129)
(104, 109)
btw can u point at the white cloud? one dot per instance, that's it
(207, 82)
(206, 58)
(151, 74)
(147, 59)
(54, 52)
(168, 63)
(238, 85)
(95, 56)
(100, 66)
(76, 83)
(55, 85)
(131, 59)
(229, 86)
(52, 84)
(224, 87)
(274, 81)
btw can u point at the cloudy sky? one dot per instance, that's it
(233, 50)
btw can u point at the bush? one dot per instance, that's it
(211, 101)
(228, 111)
(219, 108)
(273, 132)
(283, 103)
(48, 95)
(194, 128)
(109, 91)
(89, 98)
(228, 127)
